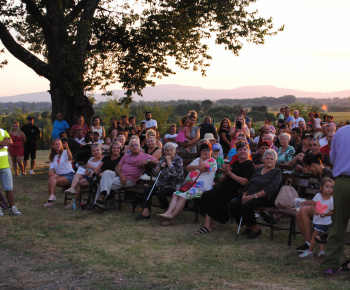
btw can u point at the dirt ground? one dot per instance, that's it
(23, 272)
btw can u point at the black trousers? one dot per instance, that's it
(237, 209)
(162, 195)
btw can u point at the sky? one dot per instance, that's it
(311, 54)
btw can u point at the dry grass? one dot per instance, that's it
(133, 255)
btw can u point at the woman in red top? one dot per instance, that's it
(16, 149)
(79, 125)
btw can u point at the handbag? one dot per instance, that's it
(286, 195)
(187, 186)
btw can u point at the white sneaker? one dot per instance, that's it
(31, 172)
(1, 212)
(70, 191)
(14, 211)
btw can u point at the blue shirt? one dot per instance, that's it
(58, 127)
(340, 153)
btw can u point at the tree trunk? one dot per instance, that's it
(70, 106)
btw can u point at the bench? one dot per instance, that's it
(303, 189)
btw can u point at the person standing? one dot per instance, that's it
(32, 134)
(341, 171)
(16, 148)
(150, 123)
(5, 173)
(59, 126)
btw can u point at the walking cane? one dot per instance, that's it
(160, 171)
(239, 227)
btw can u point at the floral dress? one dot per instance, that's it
(285, 157)
(204, 181)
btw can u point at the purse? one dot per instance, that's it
(187, 186)
(286, 195)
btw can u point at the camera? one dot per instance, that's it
(239, 125)
(64, 140)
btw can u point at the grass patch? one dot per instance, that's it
(132, 255)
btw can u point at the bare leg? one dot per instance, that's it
(172, 204)
(76, 180)
(19, 162)
(303, 220)
(313, 242)
(25, 162)
(10, 197)
(179, 206)
(14, 164)
(32, 164)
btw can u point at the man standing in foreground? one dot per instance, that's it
(32, 134)
(340, 156)
(5, 172)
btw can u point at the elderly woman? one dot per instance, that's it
(169, 180)
(262, 191)
(61, 171)
(258, 156)
(151, 133)
(152, 149)
(214, 203)
(240, 127)
(201, 174)
(285, 152)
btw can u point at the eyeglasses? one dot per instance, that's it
(135, 145)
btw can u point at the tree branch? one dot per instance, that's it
(76, 10)
(29, 59)
(33, 10)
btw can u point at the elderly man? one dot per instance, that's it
(127, 172)
(297, 119)
(329, 128)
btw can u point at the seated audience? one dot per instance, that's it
(171, 178)
(214, 203)
(211, 139)
(85, 180)
(272, 129)
(114, 135)
(301, 149)
(285, 152)
(262, 191)
(152, 149)
(61, 171)
(127, 172)
(73, 145)
(201, 174)
(270, 138)
(327, 148)
(80, 136)
(79, 125)
(329, 128)
(302, 126)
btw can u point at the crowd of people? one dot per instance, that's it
(230, 180)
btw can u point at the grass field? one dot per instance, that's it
(51, 248)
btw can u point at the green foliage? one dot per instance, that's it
(220, 112)
(260, 113)
(206, 105)
(113, 109)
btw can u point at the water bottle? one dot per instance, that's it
(74, 205)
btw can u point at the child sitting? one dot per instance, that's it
(323, 209)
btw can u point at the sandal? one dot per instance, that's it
(345, 266)
(202, 231)
(321, 239)
(49, 203)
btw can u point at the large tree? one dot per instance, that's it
(82, 45)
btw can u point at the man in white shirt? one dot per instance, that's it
(80, 137)
(170, 137)
(329, 128)
(150, 123)
(297, 119)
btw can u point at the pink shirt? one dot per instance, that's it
(130, 165)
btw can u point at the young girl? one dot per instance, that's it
(317, 121)
(184, 135)
(92, 167)
(322, 205)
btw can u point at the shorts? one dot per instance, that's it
(69, 176)
(88, 178)
(321, 228)
(29, 149)
(6, 179)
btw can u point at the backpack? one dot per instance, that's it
(286, 195)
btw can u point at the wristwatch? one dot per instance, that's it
(255, 195)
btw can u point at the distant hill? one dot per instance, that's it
(175, 92)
